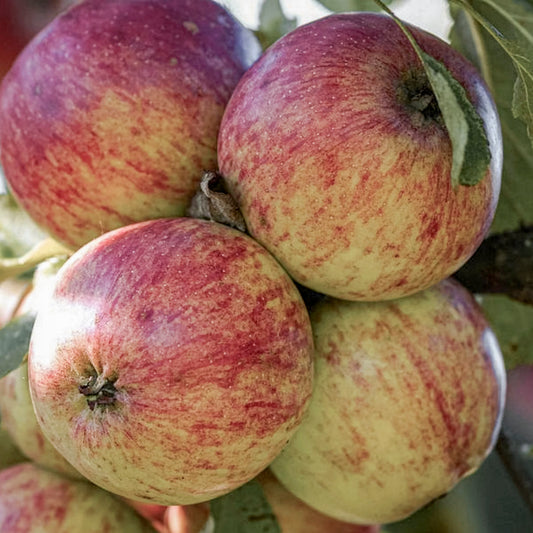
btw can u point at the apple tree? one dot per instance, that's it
(452, 299)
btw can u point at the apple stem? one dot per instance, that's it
(97, 393)
(213, 202)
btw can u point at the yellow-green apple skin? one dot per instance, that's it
(295, 516)
(16, 408)
(20, 423)
(111, 113)
(339, 173)
(36, 500)
(173, 362)
(408, 400)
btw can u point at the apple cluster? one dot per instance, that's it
(320, 345)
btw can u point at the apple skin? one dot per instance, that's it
(111, 113)
(34, 499)
(408, 400)
(295, 516)
(20, 422)
(348, 186)
(173, 362)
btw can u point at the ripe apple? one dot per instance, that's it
(335, 150)
(111, 113)
(408, 400)
(20, 423)
(34, 499)
(173, 361)
(16, 408)
(295, 516)
(12, 291)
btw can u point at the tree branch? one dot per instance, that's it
(503, 264)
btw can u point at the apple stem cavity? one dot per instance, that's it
(213, 202)
(99, 392)
(415, 92)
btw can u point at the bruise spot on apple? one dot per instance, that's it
(191, 26)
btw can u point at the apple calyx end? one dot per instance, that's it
(99, 392)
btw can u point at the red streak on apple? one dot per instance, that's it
(339, 174)
(111, 113)
(173, 362)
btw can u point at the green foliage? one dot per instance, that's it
(511, 322)
(14, 342)
(471, 154)
(244, 510)
(352, 5)
(273, 23)
(515, 207)
(510, 23)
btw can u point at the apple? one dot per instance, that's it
(295, 516)
(173, 361)
(12, 291)
(111, 113)
(408, 400)
(34, 499)
(20, 423)
(16, 407)
(335, 150)
(187, 519)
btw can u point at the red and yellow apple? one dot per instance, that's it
(111, 113)
(337, 154)
(173, 361)
(33, 499)
(408, 400)
(16, 408)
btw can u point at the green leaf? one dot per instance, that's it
(511, 322)
(244, 510)
(515, 207)
(273, 23)
(471, 154)
(510, 23)
(47, 249)
(18, 233)
(14, 342)
(351, 5)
